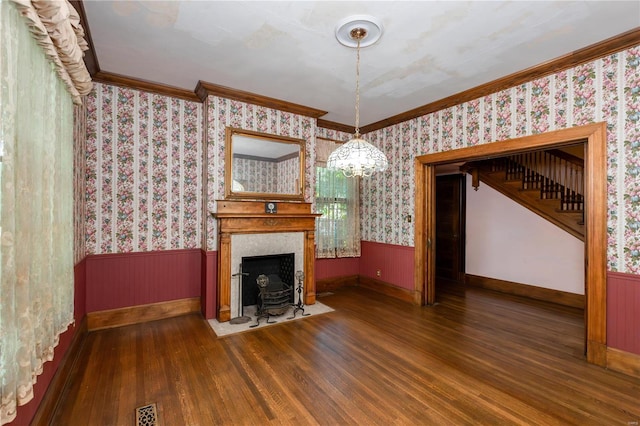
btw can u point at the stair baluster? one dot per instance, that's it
(555, 175)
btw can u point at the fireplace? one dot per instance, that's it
(268, 246)
(246, 230)
(277, 265)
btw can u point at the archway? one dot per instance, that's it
(594, 136)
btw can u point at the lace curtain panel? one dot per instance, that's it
(338, 199)
(36, 229)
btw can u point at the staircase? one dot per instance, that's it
(549, 183)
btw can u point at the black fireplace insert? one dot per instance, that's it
(281, 265)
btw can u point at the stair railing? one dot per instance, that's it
(556, 174)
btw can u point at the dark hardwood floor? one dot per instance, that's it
(477, 357)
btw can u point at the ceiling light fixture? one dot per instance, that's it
(358, 157)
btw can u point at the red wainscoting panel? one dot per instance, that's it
(26, 412)
(209, 291)
(130, 279)
(80, 295)
(623, 312)
(341, 267)
(395, 263)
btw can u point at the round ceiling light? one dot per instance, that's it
(371, 25)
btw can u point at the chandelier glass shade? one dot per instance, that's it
(357, 157)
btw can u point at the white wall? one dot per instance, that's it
(508, 242)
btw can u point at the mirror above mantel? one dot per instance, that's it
(261, 166)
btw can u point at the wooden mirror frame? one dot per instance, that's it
(230, 194)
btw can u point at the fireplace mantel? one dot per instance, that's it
(249, 217)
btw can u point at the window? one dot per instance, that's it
(36, 255)
(337, 198)
(1, 153)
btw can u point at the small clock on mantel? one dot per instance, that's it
(270, 207)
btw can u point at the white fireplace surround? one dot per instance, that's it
(247, 245)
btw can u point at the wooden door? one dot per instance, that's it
(450, 226)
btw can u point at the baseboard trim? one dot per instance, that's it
(623, 362)
(142, 313)
(533, 292)
(47, 408)
(328, 284)
(387, 289)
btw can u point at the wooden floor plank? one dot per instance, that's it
(477, 357)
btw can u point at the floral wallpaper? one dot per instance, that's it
(245, 170)
(275, 176)
(144, 171)
(79, 148)
(288, 172)
(334, 135)
(144, 183)
(222, 112)
(607, 89)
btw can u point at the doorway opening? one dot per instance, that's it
(595, 217)
(450, 230)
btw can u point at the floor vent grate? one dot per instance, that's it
(147, 415)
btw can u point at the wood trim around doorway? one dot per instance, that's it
(594, 136)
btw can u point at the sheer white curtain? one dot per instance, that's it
(36, 241)
(338, 199)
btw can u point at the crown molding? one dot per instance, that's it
(204, 89)
(595, 51)
(332, 125)
(147, 86)
(590, 53)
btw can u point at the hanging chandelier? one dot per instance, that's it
(358, 157)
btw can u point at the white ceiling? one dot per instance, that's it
(287, 49)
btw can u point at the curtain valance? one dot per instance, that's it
(55, 25)
(324, 147)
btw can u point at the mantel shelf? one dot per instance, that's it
(264, 215)
(232, 208)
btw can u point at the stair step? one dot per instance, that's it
(517, 183)
(570, 211)
(530, 190)
(496, 174)
(549, 201)
(570, 221)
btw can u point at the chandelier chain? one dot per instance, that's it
(357, 157)
(357, 135)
